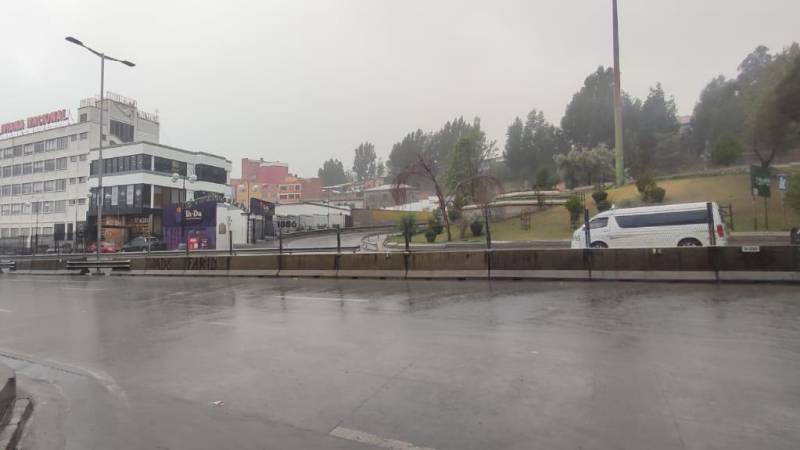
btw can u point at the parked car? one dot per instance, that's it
(142, 243)
(105, 247)
(681, 225)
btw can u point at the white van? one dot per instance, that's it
(681, 225)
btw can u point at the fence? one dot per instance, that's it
(40, 245)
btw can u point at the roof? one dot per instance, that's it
(653, 208)
(389, 187)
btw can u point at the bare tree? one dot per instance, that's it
(482, 190)
(422, 168)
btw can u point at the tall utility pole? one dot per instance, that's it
(618, 151)
(100, 163)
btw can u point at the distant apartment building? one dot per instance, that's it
(271, 181)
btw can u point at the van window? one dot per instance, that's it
(662, 219)
(601, 222)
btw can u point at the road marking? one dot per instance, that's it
(371, 439)
(82, 289)
(5, 310)
(325, 299)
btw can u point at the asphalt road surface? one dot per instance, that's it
(326, 240)
(120, 362)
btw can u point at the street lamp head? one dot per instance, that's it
(192, 178)
(175, 177)
(74, 41)
(88, 195)
(128, 63)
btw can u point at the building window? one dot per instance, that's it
(16, 189)
(47, 207)
(73, 137)
(5, 191)
(38, 166)
(81, 180)
(169, 166)
(27, 168)
(27, 188)
(84, 118)
(16, 209)
(82, 157)
(122, 131)
(50, 186)
(61, 163)
(27, 149)
(6, 171)
(60, 206)
(211, 174)
(81, 201)
(50, 145)
(49, 165)
(73, 158)
(73, 180)
(84, 136)
(61, 185)
(17, 170)
(38, 147)
(72, 202)
(38, 187)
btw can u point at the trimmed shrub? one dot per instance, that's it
(430, 235)
(476, 227)
(599, 196)
(656, 194)
(603, 205)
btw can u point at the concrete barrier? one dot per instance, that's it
(372, 265)
(780, 263)
(539, 264)
(447, 265)
(308, 265)
(258, 266)
(663, 264)
(8, 389)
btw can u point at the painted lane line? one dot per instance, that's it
(5, 310)
(371, 439)
(324, 299)
(83, 289)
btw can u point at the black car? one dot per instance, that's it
(142, 243)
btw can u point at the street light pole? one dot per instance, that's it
(618, 138)
(103, 57)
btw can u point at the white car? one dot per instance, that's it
(680, 225)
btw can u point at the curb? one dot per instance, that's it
(14, 411)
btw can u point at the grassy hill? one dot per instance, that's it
(734, 190)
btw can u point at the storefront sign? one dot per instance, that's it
(34, 122)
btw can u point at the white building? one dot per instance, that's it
(138, 185)
(44, 163)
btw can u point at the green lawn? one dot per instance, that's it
(553, 223)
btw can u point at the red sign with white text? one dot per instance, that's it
(33, 122)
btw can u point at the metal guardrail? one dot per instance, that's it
(114, 264)
(8, 265)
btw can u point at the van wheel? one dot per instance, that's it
(599, 244)
(689, 242)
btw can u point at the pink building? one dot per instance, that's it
(264, 172)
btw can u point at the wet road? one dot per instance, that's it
(444, 365)
(326, 240)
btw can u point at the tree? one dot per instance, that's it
(381, 168)
(364, 161)
(595, 165)
(719, 112)
(657, 122)
(589, 119)
(404, 153)
(422, 168)
(467, 159)
(788, 92)
(514, 155)
(332, 173)
(727, 151)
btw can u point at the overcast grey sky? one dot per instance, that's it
(302, 81)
